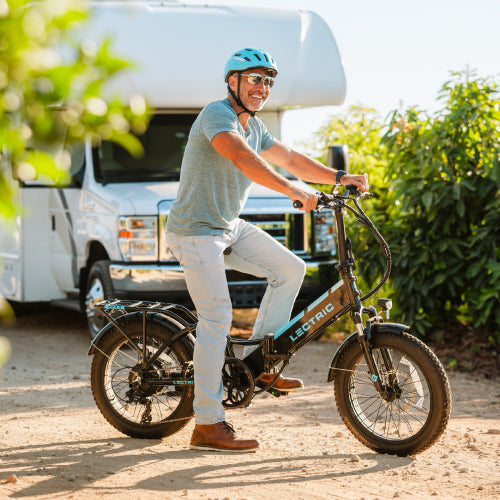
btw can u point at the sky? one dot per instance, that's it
(396, 53)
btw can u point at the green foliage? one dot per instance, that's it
(483, 297)
(45, 97)
(443, 169)
(361, 129)
(436, 180)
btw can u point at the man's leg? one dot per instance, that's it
(202, 260)
(255, 252)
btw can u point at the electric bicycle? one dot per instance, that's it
(391, 390)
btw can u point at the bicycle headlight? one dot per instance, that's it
(324, 232)
(138, 238)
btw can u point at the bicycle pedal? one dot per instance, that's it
(276, 393)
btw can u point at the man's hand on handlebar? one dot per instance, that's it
(360, 181)
(304, 200)
(307, 201)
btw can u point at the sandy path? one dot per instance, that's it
(56, 443)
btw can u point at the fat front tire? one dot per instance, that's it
(415, 409)
(126, 400)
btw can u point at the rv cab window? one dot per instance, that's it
(164, 142)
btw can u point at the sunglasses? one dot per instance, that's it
(256, 79)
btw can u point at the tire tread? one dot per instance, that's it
(419, 444)
(181, 415)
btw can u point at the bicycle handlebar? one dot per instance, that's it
(352, 193)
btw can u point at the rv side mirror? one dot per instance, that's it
(338, 157)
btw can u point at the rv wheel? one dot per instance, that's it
(99, 287)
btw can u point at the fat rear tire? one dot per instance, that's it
(111, 377)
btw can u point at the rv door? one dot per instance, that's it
(65, 215)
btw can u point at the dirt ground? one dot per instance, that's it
(54, 443)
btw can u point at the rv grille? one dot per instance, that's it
(290, 230)
(275, 225)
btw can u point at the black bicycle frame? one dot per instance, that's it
(279, 346)
(311, 322)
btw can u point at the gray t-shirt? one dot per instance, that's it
(212, 191)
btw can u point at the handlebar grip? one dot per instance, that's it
(297, 204)
(352, 189)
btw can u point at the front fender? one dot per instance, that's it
(376, 328)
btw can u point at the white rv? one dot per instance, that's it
(102, 235)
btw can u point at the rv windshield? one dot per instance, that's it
(163, 142)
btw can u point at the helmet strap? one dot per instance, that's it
(238, 100)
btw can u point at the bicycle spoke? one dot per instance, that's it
(128, 358)
(128, 390)
(404, 410)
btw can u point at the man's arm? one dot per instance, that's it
(232, 146)
(309, 169)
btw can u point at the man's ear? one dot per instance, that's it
(233, 82)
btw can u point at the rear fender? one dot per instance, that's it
(160, 319)
(376, 328)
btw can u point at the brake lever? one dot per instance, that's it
(353, 190)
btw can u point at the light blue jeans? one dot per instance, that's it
(204, 264)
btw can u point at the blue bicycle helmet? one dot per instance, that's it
(245, 59)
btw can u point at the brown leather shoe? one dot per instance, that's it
(220, 437)
(282, 384)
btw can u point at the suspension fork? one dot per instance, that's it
(389, 366)
(345, 269)
(364, 338)
(367, 353)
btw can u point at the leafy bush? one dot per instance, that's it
(483, 296)
(443, 169)
(361, 129)
(436, 182)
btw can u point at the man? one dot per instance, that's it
(228, 149)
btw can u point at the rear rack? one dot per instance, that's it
(185, 317)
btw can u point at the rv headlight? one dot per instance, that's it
(138, 238)
(324, 232)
